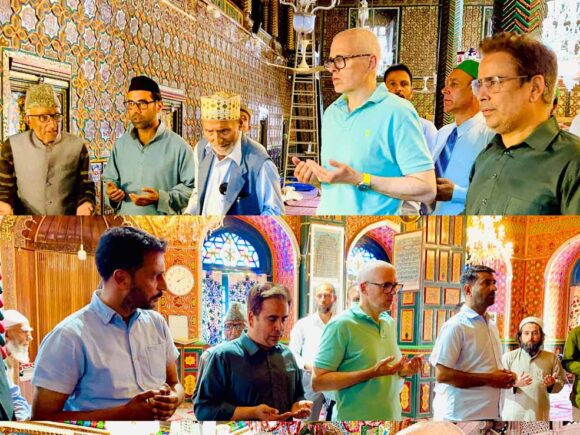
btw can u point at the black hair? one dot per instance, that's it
(398, 67)
(124, 248)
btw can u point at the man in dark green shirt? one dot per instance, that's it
(531, 167)
(571, 363)
(254, 377)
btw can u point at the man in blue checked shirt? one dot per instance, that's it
(115, 358)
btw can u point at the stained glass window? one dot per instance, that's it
(365, 250)
(357, 257)
(229, 250)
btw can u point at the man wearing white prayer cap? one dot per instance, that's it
(18, 338)
(233, 174)
(539, 375)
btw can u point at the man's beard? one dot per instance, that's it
(324, 310)
(18, 351)
(136, 299)
(531, 348)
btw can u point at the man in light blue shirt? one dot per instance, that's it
(458, 144)
(115, 358)
(373, 150)
(467, 355)
(150, 170)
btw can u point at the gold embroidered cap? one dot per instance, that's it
(41, 96)
(221, 106)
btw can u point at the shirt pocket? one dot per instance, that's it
(154, 371)
(518, 206)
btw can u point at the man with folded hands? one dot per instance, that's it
(254, 377)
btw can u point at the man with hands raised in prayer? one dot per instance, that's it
(541, 374)
(359, 357)
(254, 377)
(114, 359)
(467, 355)
(373, 151)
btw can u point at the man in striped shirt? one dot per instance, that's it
(44, 171)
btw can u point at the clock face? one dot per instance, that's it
(179, 280)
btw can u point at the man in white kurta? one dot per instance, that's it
(539, 375)
(467, 355)
(305, 342)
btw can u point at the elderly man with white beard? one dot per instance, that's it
(18, 338)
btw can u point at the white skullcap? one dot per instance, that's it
(532, 319)
(13, 318)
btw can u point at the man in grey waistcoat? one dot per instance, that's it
(45, 171)
(233, 174)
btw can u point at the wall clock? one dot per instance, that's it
(180, 280)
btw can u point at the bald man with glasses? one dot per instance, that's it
(374, 153)
(359, 357)
(531, 167)
(45, 171)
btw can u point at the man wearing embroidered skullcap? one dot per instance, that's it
(150, 170)
(373, 151)
(531, 166)
(45, 171)
(458, 144)
(539, 375)
(233, 174)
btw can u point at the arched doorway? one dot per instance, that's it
(561, 305)
(373, 242)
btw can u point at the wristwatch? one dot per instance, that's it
(365, 184)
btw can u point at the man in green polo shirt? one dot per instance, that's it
(571, 363)
(359, 356)
(531, 166)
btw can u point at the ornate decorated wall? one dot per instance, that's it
(544, 255)
(418, 40)
(177, 43)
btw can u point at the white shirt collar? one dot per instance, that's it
(236, 154)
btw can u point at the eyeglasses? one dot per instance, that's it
(392, 287)
(45, 119)
(234, 326)
(339, 61)
(141, 105)
(492, 85)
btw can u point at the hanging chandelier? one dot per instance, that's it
(486, 244)
(184, 229)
